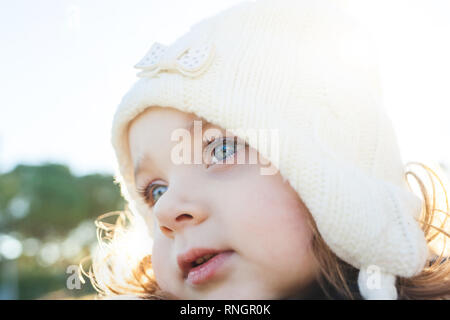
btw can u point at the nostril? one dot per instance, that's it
(165, 230)
(184, 216)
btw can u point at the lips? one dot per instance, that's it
(186, 260)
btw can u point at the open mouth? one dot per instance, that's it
(205, 268)
(202, 260)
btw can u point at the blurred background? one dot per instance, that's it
(65, 66)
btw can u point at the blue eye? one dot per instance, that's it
(152, 192)
(157, 192)
(224, 150)
(221, 150)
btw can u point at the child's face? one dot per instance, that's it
(233, 207)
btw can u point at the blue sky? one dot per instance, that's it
(66, 64)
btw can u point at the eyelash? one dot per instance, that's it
(146, 191)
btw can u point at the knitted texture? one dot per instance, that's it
(307, 70)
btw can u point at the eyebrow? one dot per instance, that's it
(190, 127)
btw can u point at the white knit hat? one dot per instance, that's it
(304, 68)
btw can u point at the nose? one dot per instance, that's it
(175, 211)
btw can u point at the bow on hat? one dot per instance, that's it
(189, 61)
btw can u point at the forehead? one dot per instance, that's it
(152, 130)
(159, 120)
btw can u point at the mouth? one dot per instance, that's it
(199, 264)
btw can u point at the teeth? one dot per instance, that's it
(203, 259)
(199, 260)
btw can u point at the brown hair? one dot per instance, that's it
(434, 280)
(335, 274)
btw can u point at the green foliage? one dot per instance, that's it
(47, 202)
(57, 200)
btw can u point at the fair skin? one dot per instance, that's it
(222, 206)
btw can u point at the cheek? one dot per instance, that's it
(160, 257)
(273, 222)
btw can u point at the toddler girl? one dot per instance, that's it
(258, 163)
